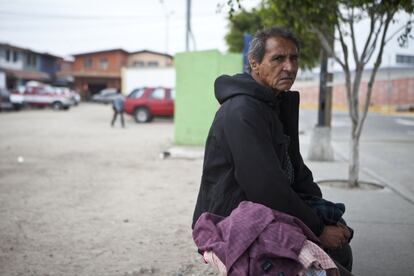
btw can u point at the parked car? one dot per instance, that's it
(5, 103)
(145, 103)
(41, 95)
(106, 95)
(9, 101)
(74, 97)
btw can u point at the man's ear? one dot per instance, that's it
(254, 65)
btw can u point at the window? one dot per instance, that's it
(31, 59)
(45, 90)
(103, 63)
(152, 63)
(87, 63)
(157, 94)
(8, 55)
(405, 59)
(172, 93)
(136, 93)
(138, 63)
(108, 91)
(34, 60)
(15, 56)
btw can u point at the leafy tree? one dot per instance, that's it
(243, 21)
(319, 16)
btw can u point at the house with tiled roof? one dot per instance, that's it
(94, 71)
(20, 65)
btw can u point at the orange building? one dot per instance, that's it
(95, 71)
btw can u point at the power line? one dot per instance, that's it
(75, 17)
(91, 17)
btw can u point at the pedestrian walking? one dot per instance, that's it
(118, 107)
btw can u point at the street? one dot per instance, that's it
(387, 144)
(78, 197)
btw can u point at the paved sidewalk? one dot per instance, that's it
(382, 219)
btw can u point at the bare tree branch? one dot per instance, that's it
(354, 47)
(352, 102)
(374, 42)
(371, 30)
(327, 46)
(398, 30)
(343, 45)
(374, 72)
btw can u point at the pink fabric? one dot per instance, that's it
(312, 256)
(212, 259)
(253, 240)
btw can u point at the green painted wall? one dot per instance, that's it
(195, 104)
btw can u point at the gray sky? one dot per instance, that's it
(65, 27)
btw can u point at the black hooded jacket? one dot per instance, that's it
(245, 155)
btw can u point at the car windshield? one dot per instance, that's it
(48, 89)
(136, 93)
(108, 91)
(157, 94)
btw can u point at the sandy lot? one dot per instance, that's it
(78, 197)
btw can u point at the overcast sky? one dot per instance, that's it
(66, 27)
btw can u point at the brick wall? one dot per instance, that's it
(395, 92)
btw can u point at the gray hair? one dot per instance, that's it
(257, 46)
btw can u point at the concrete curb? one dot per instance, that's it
(380, 179)
(183, 152)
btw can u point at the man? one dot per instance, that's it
(252, 150)
(118, 107)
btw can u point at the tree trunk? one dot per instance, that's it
(354, 159)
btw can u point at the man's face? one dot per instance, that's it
(279, 65)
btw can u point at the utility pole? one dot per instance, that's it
(188, 26)
(167, 26)
(320, 146)
(325, 93)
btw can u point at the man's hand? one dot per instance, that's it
(334, 237)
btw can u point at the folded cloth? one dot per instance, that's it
(253, 240)
(330, 213)
(313, 258)
(315, 272)
(212, 259)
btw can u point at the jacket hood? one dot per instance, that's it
(226, 87)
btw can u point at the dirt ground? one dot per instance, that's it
(78, 197)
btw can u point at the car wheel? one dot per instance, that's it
(57, 106)
(142, 115)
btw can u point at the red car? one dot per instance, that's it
(145, 103)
